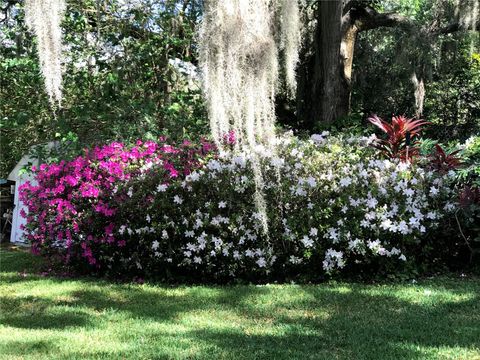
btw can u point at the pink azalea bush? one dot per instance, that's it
(186, 211)
(73, 208)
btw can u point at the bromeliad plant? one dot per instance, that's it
(399, 134)
(442, 161)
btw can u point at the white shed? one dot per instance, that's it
(20, 178)
(16, 175)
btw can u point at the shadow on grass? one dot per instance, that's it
(36, 313)
(359, 327)
(18, 259)
(317, 322)
(27, 347)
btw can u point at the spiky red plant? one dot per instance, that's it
(442, 161)
(395, 146)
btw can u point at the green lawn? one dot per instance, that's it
(54, 318)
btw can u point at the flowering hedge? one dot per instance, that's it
(186, 211)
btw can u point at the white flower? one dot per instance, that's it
(434, 191)
(353, 244)
(148, 218)
(372, 203)
(240, 161)
(194, 176)
(155, 245)
(307, 242)
(371, 139)
(214, 165)
(353, 202)
(217, 242)
(311, 181)
(409, 192)
(402, 257)
(296, 153)
(333, 258)
(394, 251)
(164, 234)
(162, 188)
(317, 139)
(300, 191)
(130, 192)
(346, 181)
(386, 224)
(403, 227)
(222, 205)
(177, 199)
(364, 223)
(259, 252)
(189, 234)
(363, 174)
(295, 260)
(332, 234)
(198, 223)
(313, 231)
(449, 206)
(261, 262)
(374, 245)
(413, 221)
(371, 215)
(277, 162)
(197, 260)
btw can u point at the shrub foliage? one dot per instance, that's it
(186, 212)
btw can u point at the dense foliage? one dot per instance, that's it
(334, 207)
(127, 75)
(449, 64)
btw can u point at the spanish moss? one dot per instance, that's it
(44, 17)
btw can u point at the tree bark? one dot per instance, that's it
(323, 87)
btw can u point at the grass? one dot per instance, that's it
(56, 318)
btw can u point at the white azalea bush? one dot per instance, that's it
(333, 207)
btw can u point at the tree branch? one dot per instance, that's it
(367, 18)
(453, 27)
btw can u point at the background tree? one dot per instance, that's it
(122, 76)
(325, 73)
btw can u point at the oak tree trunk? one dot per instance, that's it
(324, 77)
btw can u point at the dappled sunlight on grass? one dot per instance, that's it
(48, 317)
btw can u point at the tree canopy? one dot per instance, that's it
(129, 70)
